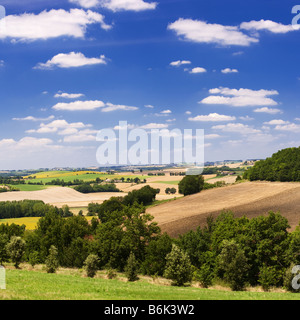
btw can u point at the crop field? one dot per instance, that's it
(48, 176)
(72, 284)
(30, 187)
(30, 222)
(245, 199)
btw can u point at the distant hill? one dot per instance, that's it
(282, 166)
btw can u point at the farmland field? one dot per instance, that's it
(30, 222)
(250, 199)
(80, 175)
(71, 284)
(30, 187)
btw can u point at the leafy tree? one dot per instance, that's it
(16, 250)
(34, 258)
(191, 184)
(270, 276)
(131, 269)
(4, 240)
(91, 265)
(233, 262)
(52, 260)
(155, 255)
(178, 267)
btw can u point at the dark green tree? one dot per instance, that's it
(178, 267)
(191, 184)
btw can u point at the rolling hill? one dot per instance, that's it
(250, 199)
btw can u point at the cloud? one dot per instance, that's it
(291, 127)
(50, 24)
(197, 70)
(179, 63)
(114, 107)
(70, 60)
(268, 110)
(268, 25)
(117, 5)
(155, 126)
(228, 70)
(25, 143)
(68, 95)
(149, 106)
(276, 122)
(62, 125)
(246, 118)
(237, 128)
(1, 63)
(212, 136)
(86, 3)
(31, 118)
(188, 112)
(127, 5)
(240, 97)
(203, 32)
(214, 117)
(166, 112)
(79, 105)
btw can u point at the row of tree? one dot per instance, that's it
(240, 251)
(282, 166)
(30, 208)
(88, 188)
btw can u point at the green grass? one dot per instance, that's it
(30, 187)
(73, 285)
(87, 177)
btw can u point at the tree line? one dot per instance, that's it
(281, 166)
(240, 251)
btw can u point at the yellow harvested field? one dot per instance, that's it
(249, 199)
(60, 196)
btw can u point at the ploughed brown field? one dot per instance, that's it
(245, 199)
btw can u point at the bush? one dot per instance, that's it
(191, 184)
(178, 267)
(33, 258)
(233, 263)
(131, 269)
(16, 250)
(91, 265)
(269, 276)
(290, 279)
(52, 260)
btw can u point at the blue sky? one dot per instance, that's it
(69, 68)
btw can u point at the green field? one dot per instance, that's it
(70, 176)
(72, 284)
(30, 187)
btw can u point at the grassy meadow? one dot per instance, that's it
(48, 176)
(72, 284)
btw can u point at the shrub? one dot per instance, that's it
(131, 268)
(178, 267)
(33, 258)
(290, 279)
(191, 184)
(269, 276)
(91, 265)
(16, 250)
(233, 263)
(52, 260)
